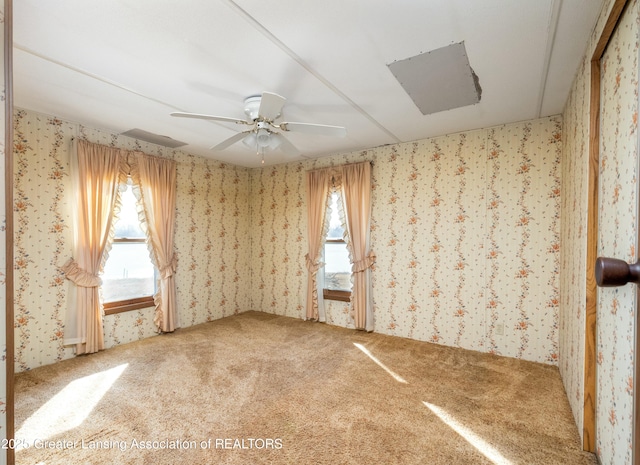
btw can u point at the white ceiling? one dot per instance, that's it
(124, 64)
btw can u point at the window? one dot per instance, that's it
(129, 277)
(337, 269)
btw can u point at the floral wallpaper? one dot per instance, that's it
(211, 238)
(480, 238)
(618, 237)
(466, 229)
(575, 184)
(618, 197)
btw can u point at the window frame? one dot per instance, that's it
(335, 294)
(136, 303)
(121, 306)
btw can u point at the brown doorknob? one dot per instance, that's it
(613, 272)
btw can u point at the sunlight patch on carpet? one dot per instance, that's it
(69, 408)
(365, 351)
(483, 447)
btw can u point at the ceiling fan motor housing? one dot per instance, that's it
(252, 107)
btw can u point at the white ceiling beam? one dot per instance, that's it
(264, 31)
(551, 39)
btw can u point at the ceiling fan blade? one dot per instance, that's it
(311, 128)
(230, 141)
(284, 144)
(271, 105)
(181, 114)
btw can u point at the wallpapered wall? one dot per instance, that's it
(466, 229)
(617, 235)
(575, 183)
(211, 238)
(617, 238)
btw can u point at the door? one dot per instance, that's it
(617, 236)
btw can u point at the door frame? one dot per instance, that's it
(590, 348)
(8, 205)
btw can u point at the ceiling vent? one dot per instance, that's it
(157, 139)
(438, 80)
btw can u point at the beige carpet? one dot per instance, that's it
(262, 389)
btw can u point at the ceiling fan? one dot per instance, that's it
(262, 113)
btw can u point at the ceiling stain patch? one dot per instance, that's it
(439, 80)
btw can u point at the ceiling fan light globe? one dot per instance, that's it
(274, 142)
(250, 141)
(263, 138)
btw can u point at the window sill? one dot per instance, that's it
(111, 308)
(332, 294)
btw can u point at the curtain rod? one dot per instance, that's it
(346, 164)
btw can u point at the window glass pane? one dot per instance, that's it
(128, 224)
(336, 230)
(337, 271)
(128, 272)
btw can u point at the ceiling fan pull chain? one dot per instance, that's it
(258, 151)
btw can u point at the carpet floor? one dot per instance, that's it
(256, 388)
